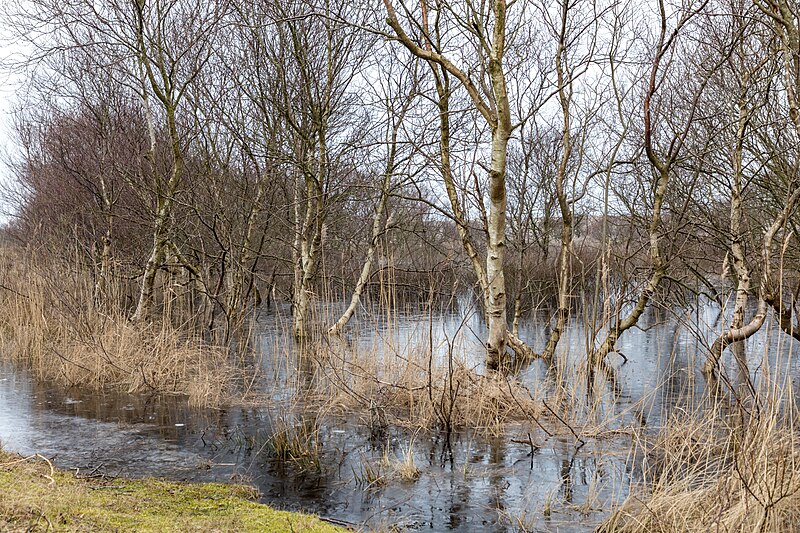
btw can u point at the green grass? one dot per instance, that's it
(35, 497)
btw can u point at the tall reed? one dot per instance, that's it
(52, 322)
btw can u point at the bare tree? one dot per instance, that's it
(662, 161)
(400, 94)
(315, 59)
(486, 28)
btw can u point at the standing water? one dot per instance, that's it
(522, 480)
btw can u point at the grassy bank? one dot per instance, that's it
(36, 497)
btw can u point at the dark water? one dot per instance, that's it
(473, 483)
(477, 484)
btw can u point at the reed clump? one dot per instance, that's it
(296, 442)
(406, 468)
(415, 390)
(712, 474)
(373, 474)
(52, 322)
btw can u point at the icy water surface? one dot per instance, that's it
(522, 481)
(478, 484)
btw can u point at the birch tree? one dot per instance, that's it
(172, 44)
(315, 59)
(786, 27)
(751, 74)
(396, 100)
(486, 28)
(663, 141)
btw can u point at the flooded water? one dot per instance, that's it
(522, 481)
(477, 484)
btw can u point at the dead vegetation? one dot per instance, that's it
(706, 472)
(49, 324)
(414, 389)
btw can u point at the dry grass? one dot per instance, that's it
(295, 441)
(406, 467)
(50, 323)
(707, 474)
(377, 473)
(410, 390)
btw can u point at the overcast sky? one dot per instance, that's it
(10, 80)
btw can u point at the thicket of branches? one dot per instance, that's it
(226, 154)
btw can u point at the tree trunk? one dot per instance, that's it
(739, 266)
(101, 285)
(165, 192)
(310, 239)
(236, 301)
(562, 314)
(767, 294)
(144, 306)
(377, 229)
(495, 249)
(443, 90)
(497, 114)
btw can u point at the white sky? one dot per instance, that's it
(10, 83)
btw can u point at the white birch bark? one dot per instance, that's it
(165, 192)
(497, 114)
(378, 226)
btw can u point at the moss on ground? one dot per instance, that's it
(35, 497)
